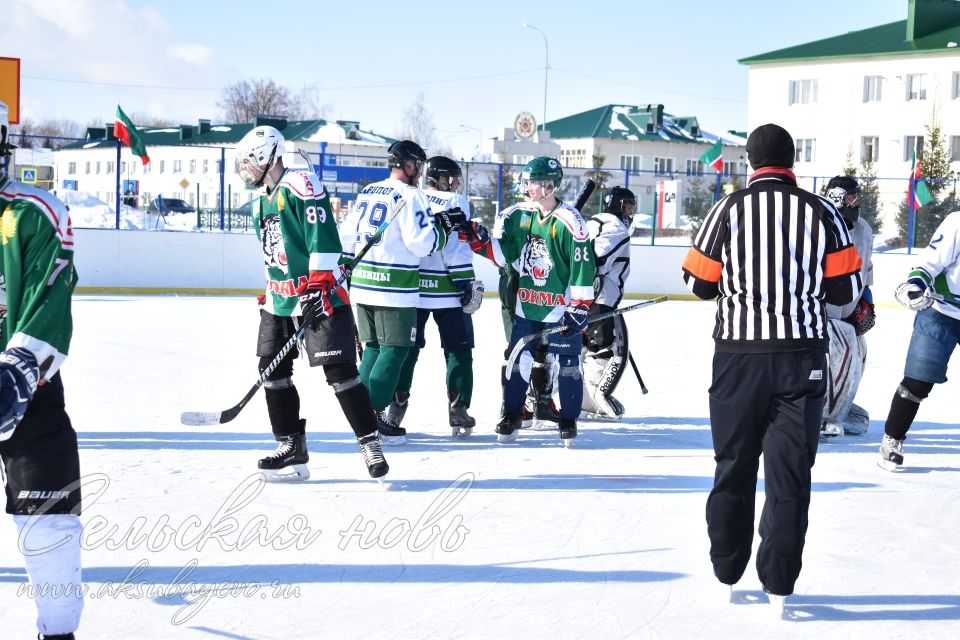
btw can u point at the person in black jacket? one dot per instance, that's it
(774, 255)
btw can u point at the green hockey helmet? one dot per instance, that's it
(542, 169)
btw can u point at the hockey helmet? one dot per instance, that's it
(621, 202)
(844, 193)
(404, 151)
(257, 153)
(542, 169)
(439, 167)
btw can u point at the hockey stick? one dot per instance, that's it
(525, 340)
(633, 363)
(930, 293)
(197, 418)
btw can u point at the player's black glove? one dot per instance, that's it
(19, 375)
(575, 317)
(451, 219)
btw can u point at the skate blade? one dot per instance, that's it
(393, 440)
(461, 432)
(602, 417)
(889, 465)
(543, 425)
(293, 473)
(567, 442)
(776, 605)
(506, 438)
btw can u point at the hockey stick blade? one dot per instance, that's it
(525, 340)
(199, 418)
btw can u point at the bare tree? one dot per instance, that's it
(243, 101)
(418, 126)
(50, 133)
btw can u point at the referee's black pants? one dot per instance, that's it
(769, 403)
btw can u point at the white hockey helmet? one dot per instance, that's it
(257, 153)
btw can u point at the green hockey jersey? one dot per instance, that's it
(298, 234)
(553, 255)
(37, 275)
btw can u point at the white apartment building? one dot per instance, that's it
(865, 95)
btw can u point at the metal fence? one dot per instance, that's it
(669, 202)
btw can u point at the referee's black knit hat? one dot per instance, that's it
(770, 145)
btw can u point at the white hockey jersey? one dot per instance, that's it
(611, 246)
(862, 239)
(444, 274)
(389, 274)
(939, 264)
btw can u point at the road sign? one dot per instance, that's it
(28, 175)
(184, 183)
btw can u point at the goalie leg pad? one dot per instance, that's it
(846, 368)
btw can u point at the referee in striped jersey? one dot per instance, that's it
(772, 255)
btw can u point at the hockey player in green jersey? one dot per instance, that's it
(301, 251)
(38, 446)
(386, 283)
(556, 265)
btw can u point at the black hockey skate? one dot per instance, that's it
(461, 423)
(289, 461)
(373, 455)
(568, 431)
(398, 406)
(59, 636)
(390, 431)
(508, 428)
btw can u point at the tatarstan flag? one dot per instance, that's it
(921, 193)
(713, 156)
(127, 133)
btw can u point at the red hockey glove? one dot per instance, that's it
(575, 317)
(315, 299)
(476, 235)
(863, 318)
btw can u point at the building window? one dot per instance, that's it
(805, 149)
(98, 167)
(206, 166)
(871, 88)
(916, 86)
(631, 163)
(694, 167)
(803, 91)
(662, 166)
(193, 167)
(954, 148)
(71, 168)
(573, 157)
(729, 168)
(869, 149)
(110, 167)
(160, 168)
(86, 167)
(955, 86)
(178, 166)
(216, 165)
(203, 196)
(911, 145)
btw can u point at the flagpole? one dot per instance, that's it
(911, 218)
(117, 222)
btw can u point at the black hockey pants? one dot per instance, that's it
(769, 403)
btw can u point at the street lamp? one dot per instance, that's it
(480, 145)
(546, 71)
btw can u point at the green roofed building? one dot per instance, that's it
(865, 94)
(185, 160)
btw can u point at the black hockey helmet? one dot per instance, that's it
(621, 202)
(439, 167)
(844, 193)
(404, 151)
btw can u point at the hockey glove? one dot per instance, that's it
(575, 317)
(476, 235)
(863, 318)
(471, 296)
(19, 375)
(315, 299)
(912, 294)
(451, 219)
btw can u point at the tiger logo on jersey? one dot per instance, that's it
(274, 251)
(535, 260)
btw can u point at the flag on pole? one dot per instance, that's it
(713, 156)
(127, 133)
(920, 192)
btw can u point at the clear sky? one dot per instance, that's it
(474, 62)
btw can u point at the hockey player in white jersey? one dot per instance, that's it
(385, 285)
(605, 345)
(450, 292)
(848, 324)
(933, 291)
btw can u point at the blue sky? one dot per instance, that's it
(475, 63)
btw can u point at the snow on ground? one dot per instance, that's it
(470, 539)
(89, 212)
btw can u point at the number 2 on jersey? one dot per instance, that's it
(377, 215)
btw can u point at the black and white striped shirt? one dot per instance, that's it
(774, 254)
